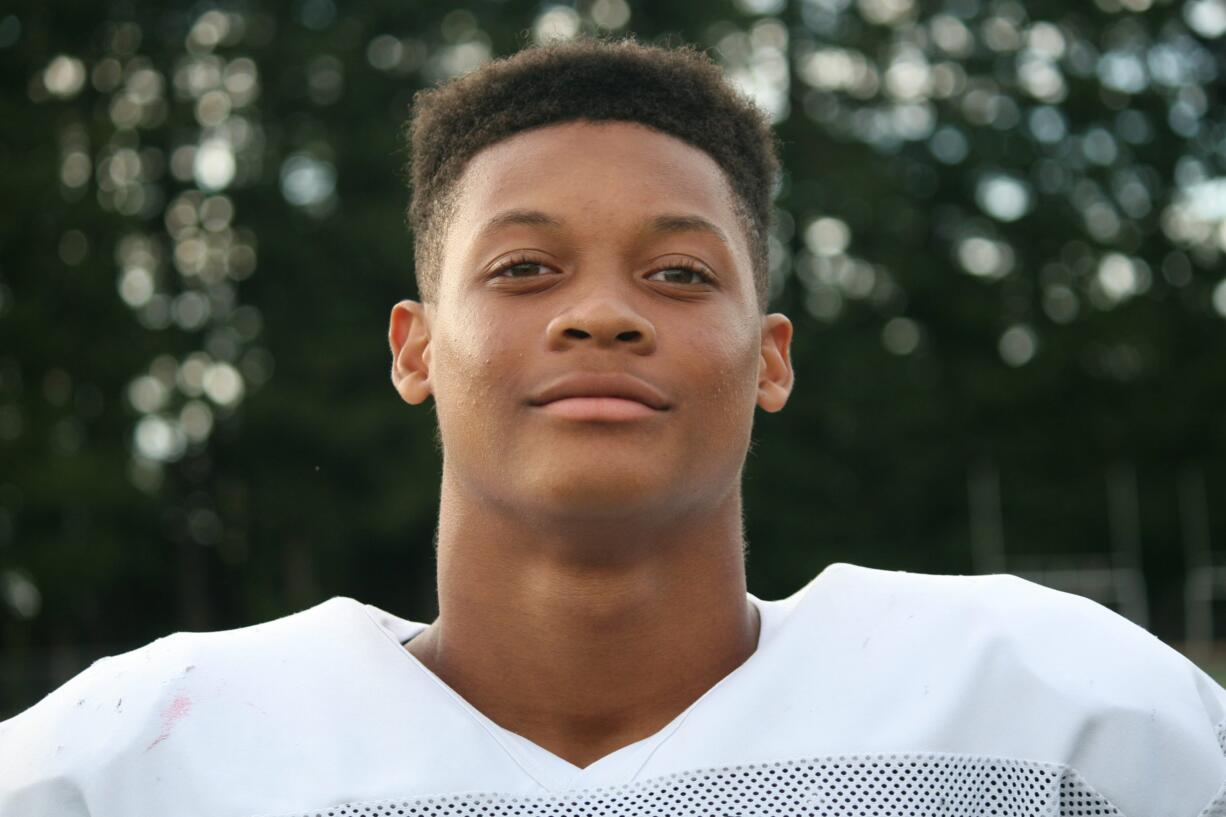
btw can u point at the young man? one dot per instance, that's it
(590, 223)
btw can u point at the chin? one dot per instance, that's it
(606, 494)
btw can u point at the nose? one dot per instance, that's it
(604, 322)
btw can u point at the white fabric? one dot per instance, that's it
(870, 693)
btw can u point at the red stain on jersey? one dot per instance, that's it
(171, 715)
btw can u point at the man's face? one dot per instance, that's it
(595, 349)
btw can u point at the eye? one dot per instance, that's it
(684, 274)
(520, 266)
(522, 269)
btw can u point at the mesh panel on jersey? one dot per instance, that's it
(869, 786)
(1217, 806)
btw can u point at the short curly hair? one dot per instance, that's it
(677, 91)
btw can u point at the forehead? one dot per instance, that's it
(617, 173)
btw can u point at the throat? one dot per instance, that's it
(583, 655)
(585, 706)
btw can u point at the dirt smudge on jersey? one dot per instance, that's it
(174, 712)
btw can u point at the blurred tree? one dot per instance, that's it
(1000, 234)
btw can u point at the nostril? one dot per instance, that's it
(630, 336)
(578, 334)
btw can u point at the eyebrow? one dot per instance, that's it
(683, 224)
(659, 224)
(512, 218)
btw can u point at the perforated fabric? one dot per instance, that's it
(1217, 807)
(875, 786)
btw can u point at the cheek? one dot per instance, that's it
(729, 368)
(476, 363)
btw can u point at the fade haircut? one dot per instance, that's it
(676, 91)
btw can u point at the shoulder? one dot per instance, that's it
(1057, 676)
(120, 706)
(1059, 641)
(1016, 613)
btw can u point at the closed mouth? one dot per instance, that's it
(601, 385)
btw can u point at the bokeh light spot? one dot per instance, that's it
(985, 257)
(614, 14)
(1206, 17)
(1219, 297)
(1018, 345)
(147, 394)
(307, 181)
(556, 24)
(1117, 279)
(64, 76)
(196, 420)
(827, 236)
(1003, 197)
(900, 336)
(159, 439)
(136, 286)
(948, 145)
(213, 165)
(20, 594)
(223, 384)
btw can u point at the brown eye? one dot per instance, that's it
(679, 275)
(522, 269)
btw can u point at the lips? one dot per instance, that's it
(601, 385)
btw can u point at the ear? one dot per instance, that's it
(409, 336)
(775, 364)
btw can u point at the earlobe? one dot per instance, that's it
(775, 375)
(409, 337)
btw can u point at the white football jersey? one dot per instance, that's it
(871, 694)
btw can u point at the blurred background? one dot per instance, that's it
(1000, 236)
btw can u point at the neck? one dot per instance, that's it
(585, 638)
